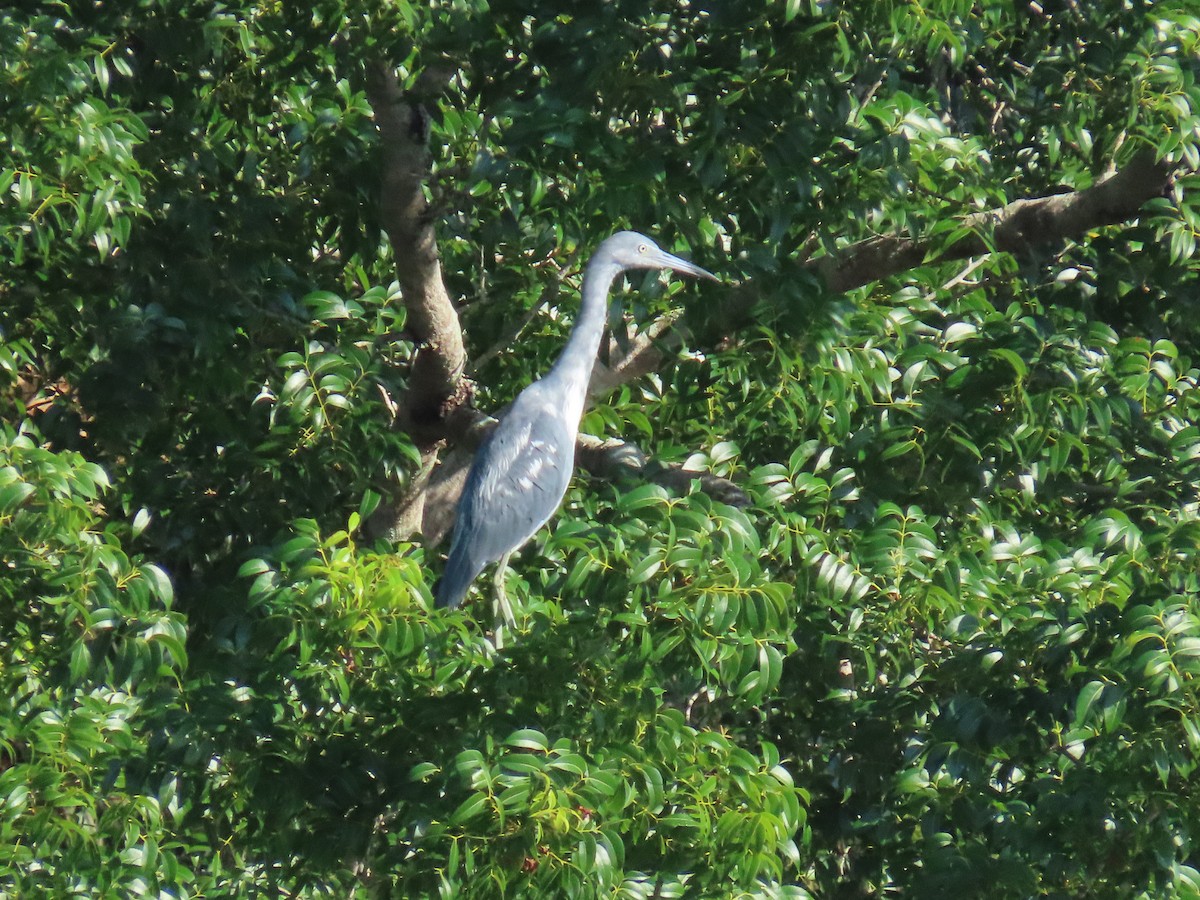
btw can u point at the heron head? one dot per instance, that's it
(631, 250)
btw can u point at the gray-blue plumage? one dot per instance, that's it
(521, 471)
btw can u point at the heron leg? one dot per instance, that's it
(503, 608)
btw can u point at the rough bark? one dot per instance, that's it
(435, 384)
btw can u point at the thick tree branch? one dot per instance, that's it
(436, 387)
(435, 384)
(1017, 227)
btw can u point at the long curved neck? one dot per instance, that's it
(573, 369)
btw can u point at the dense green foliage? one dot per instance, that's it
(952, 645)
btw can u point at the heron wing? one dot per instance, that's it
(516, 482)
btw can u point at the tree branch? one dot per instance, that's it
(645, 355)
(613, 459)
(435, 384)
(1014, 228)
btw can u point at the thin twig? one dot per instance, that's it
(549, 292)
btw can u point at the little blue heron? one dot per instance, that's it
(521, 471)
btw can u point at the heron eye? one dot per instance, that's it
(642, 248)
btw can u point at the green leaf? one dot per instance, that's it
(471, 808)
(527, 739)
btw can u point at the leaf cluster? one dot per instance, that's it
(952, 645)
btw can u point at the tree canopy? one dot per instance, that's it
(881, 570)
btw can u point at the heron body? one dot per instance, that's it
(521, 471)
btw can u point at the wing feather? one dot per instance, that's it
(516, 482)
